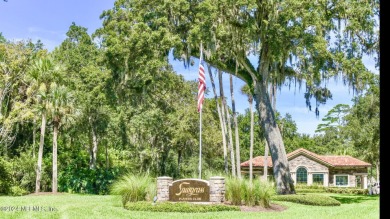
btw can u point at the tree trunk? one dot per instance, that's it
(230, 143)
(107, 161)
(93, 151)
(284, 182)
(223, 122)
(55, 134)
(238, 161)
(377, 170)
(220, 118)
(251, 143)
(178, 162)
(40, 153)
(33, 149)
(266, 149)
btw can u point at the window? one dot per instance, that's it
(318, 178)
(342, 180)
(301, 175)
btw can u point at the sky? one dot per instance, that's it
(49, 20)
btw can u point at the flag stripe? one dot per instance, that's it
(201, 86)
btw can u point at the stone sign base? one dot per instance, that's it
(191, 190)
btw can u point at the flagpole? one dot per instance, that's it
(200, 124)
(200, 144)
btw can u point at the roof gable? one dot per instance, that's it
(308, 154)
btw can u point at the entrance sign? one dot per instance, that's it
(189, 190)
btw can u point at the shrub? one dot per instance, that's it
(5, 177)
(346, 190)
(259, 193)
(18, 191)
(133, 188)
(233, 190)
(266, 190)
(24, 173)
(308, 199)
(86, 180)
(184, 207)
(250, 193)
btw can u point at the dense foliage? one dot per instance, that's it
(102, 105)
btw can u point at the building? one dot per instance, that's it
(307, 168)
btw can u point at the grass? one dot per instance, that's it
(77, 206)
(309, 199)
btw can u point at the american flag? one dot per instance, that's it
(201, 86)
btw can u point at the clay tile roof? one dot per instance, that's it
(344, 161)
(336, 161)
(258, 161)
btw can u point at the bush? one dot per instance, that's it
(347, 190)
(24, 173)
(18, 191)
(315, 188)
(134, 188)
(266, 190)
(5, 177)
(184, 207)
(86, 180)
(233, 190)
(308, 199)
(250, 192)
(259, 193)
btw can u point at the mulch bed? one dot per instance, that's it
(46, 193)
(272, 208)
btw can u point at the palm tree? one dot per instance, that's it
(246, 90)
(62, 108)
(228, 131)
(42, 73)
(221, 120)
(238, 161)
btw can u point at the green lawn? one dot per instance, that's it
(96, 206)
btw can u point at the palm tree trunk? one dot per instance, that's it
(223, 121)
(54, 179)
(230, 142)
(33, 146)
(107, 161)
(40, 153)
(238, 161)
(251, 143)
(94, 149)
(266, 149)
(220, 117)
(284, 182)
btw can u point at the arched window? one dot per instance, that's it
(302, 175)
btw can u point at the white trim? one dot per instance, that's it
(319, 171)
(334, 180)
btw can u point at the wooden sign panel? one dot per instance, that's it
(189, 190)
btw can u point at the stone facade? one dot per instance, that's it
(163, 183)
(217, 189)
(309, 164)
